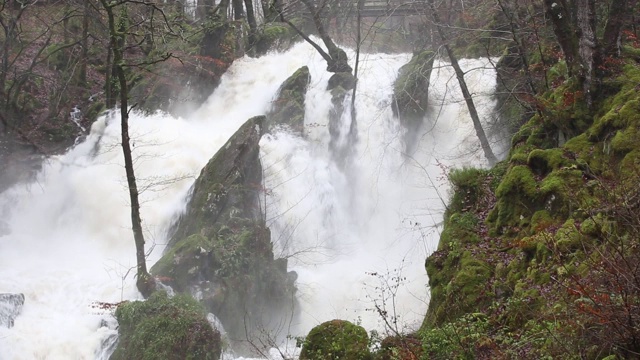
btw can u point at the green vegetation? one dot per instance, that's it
(533, 251)
(165, 328)
(336, 340)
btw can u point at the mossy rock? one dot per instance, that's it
(165, 328)
(345, 80)
(275, 36)
(221, 248)
(411, 93)
(289, 106)
(336, 340)
(228, 185)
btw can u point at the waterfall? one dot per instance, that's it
(351, 233)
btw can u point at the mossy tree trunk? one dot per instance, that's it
(145, 283)
(473, 112)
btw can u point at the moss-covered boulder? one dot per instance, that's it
(275, 36)
(228, 186)
(411, 92)
(165, 328)
(288, 108)
(336, 340)
(221, 250)
(345, 80)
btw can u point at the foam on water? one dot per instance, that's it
(71, 245)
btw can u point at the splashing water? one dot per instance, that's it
(356, 235)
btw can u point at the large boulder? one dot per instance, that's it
(336, 340)
(275, 36)
(165, 328)
(10, 308)
(221, 250)
(288, 107)
(411, 93)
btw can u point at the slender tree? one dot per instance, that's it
(473, 112)
(117, 31)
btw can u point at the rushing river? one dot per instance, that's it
(357, 234)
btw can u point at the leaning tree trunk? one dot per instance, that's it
(477, 125)
(145, 283)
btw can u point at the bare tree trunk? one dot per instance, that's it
(587, 46)
(613, 30)
(477, 125)
(84, 59)
(145, 283)
(238, 10)
(253, 24)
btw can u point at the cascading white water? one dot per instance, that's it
(70, 243)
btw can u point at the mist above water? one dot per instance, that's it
(348, 231)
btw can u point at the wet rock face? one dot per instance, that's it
(221, 251)
(411, 94)
(228, 186)
(10, 308)
(288, 107)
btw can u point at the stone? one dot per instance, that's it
(288, 107)
(221, 250)
(411, 94)
(336, 340)
(10, 308)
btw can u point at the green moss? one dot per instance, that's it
(458, 282)
(165, 328)
(568, 238)
(518, 180)
(276, 36)
(541, 220)
(411, 90)
(336, 340)
(544, 161)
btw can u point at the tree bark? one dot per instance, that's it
(587, 46)
(253, 24)
(238, 9)
(84, 60)
(565, 32)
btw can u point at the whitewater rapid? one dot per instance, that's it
(349, 232)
